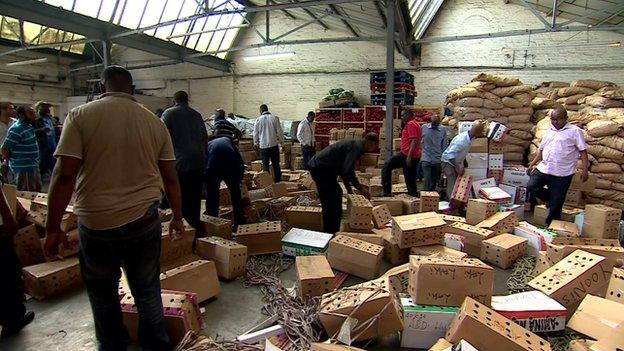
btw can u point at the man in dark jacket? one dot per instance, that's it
(339, 160)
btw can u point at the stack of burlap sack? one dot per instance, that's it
(497, 98)
(601, 115)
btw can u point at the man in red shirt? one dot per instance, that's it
(408, 158)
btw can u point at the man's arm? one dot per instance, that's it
(256, 133)
(585, 165)
(172, 190)
(61, 189)
(537, 159)
(6, 153)
(280, 131)
(300, 135)
(411, 152)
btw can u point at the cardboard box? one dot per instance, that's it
(496, 194)
(372, 306)
(601, 222)
(305, 217)
(597, 317)
(588, 186)
(461, 190)
(540, 212)
(314, 276)
(372, 238)
(569, 214)
(532, 310)
(496, 174)
(614, 341)
(317, 346)
(28, 247)
(69, 221)
(411, 204)
(302, 242)
(429, 201)
(395, 204)
(610, 249)
(215, 226)
(437, 251)
(447, 282)
(441, 345)
(260, 238)
(495, 162)
(477, 159)
(263, 179)
(256, 166)
(500, 222)
(566, 229)
(615, 290)
(392, 252)
(171, 248)
(199, 277)
(355, 256)
(479, 210)
(473, 237)
(542, 264)
(516, 177)
(180, 309)
(574, 197)
(496, 147)
(381, 216)
(424, 325)
(537, 237)
(229, 256)
(571, 279)
(581, 345)
(359, 212)
(48, 279)
(482, 183)
(479, 145)
(450, 219)
(476, 173)
(418, 229)
(503, 250)
(400, 276)
(488, 330)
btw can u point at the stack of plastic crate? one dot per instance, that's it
(404, 89)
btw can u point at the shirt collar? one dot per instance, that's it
(119, 95)
(566, 126)
(266, 113)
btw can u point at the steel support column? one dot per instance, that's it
(554, 15)
(390, 17)
(106, 53)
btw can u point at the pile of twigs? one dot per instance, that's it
(195, 342)
(521, 275)
(299, 317)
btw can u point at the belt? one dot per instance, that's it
(147, 219)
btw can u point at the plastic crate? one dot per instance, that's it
(423, 113)
(399, 77)
(398, 87)
(378, 113)
(356, 124)
(399, 99)
(373, 127)
(322, 141)
(324, 128)
(355, 114)
(329, 115)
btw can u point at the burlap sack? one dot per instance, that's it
(471, 117)
(498, 80)
(605, 160)
(599, 128)
(606, 168)
(511, 102)
(604, 151)
(500, 119)
(481, 85)
(603, 184)
(564, 92)
(618, 187)
(617, 178)
(573, 107)
(461, 111)
(616, 112)
(593, 200)
(610, 194)
(509, 139)
(511, 90)
(469, 102)
(515, 111)
(446, 120)
(513, 148)
(611, 93)
(490, 96)
(539, 115)
(452, 123)
(600, 102)
(460, 93)
(571, 100)
(494, 105)
(524, 98)
(621, 133)
(514, 157)
(611, 141)
(590, 83)
(527, 127)
(521, 134)
(519, 118)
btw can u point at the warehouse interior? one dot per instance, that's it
(511, 63)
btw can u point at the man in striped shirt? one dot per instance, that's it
(20, 148)
(225, 128)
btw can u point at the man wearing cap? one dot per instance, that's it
(224, 128)
(189, 137)
(46, 138)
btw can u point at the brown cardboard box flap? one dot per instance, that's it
(313, 267)
(615, 291)
(486, 329)
(471, 233)
(199, 277)
(597, 317)
(317, 346)
(500, 222)
(615, 340)
(581, 345)
(437, 251)
(372, 238)
(563, 228)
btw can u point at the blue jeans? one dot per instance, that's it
(431, 172)
(136, 248)
(554, 195)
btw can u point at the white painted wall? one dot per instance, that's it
(293, 86)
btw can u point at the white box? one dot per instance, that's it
(509, 189)
(476, 173)
(579, 219)
(518, 209)
(424, 325)
(484, 183)
(303, 242)
(464, 126)
(532, 310)
(537, 237)
(453, 241)
(495, 161)
(515, 177)
(477, 160)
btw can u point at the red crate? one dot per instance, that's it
(423, 113)
(397, 86)
(329, 115)
(347, 125)
(355, 114)
(373, 127)
(321, 141)
(378, 113)
(324, 128)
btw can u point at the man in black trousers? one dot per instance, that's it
(339, 160)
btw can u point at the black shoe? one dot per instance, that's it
(11, 330)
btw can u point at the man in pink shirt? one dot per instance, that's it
(408, 158)
(556, 162)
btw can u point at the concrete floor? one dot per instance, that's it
(65, 323)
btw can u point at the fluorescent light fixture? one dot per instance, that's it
(27, 62)
(616, 44)
(269, 56)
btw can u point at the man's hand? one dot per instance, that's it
(460, 170)
(53, 240)
(530, 169)
(364, 193)
(176, 228)
(409, 161)
(584, 176)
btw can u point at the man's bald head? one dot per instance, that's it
(477, 129)
(559, 117)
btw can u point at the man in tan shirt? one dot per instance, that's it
(118, 156)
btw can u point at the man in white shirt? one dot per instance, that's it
(305, 135)
(268, 136)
